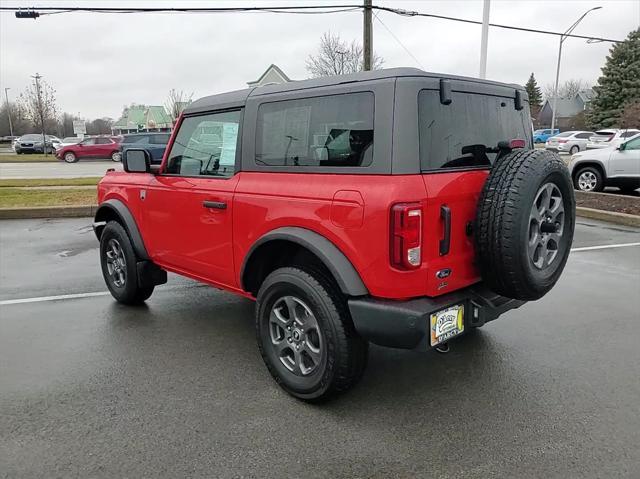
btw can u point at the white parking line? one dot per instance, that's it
(605, 246)
(105, 293)
(53, 298)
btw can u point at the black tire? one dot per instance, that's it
(588, 178)
(574, 149)
(116, 156)
(129, 292)
(342, 355)
(518, 254)
(70, 157)
(628, 188)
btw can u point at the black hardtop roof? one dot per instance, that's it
(233, 98)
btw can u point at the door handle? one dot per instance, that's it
(216, 205)
(445, 242)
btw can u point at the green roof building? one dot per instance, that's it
(142, 118)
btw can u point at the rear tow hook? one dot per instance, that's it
(442, 348)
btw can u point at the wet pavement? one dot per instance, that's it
(177, 388)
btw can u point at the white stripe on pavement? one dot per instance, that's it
(105, 293)
(606, 246)
(53, 298)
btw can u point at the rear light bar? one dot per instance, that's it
(517, 144)
(406, 235)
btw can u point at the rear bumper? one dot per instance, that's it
(405, 324)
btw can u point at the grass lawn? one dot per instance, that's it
(33, 158)
(50, 182)
(14, 197)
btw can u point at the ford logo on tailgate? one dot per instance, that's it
(443, 273)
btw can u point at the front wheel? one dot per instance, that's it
(119, 265)
(588, 179)
(70, 157)
(306, 336)
(116, 156)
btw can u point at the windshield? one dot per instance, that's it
(31, 138)
(605, 133)
(70, 139)
(466, 132)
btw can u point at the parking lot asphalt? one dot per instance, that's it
(58, 169)
(177, 388)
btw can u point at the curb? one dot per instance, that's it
(48, 212)
(609, 216)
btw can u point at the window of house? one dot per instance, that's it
(335, 130)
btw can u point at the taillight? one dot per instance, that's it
(406, 235)
(517, 144)
(562, 141)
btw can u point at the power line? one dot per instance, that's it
(398, 40)
(33, 12)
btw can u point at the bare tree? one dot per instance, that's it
(337, 57)
(38, 104)
(568, 89)
(177, 101)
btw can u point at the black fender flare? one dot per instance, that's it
(336, 262)
(116, 207)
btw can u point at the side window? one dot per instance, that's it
(160, 139)
(629, 134)
(139, 139)
(103, 141)
(334, 130)
(205, 145)
(89, 141)
(584, 135)
(632, 144)
(546, 132)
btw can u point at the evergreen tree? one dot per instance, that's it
(619, 84)
(534, 92)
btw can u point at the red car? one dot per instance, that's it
(101, 147)
(395, 207)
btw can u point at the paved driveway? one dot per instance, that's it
(176, 388)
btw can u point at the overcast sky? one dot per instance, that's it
(100, 62)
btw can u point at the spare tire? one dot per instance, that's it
(524, 224)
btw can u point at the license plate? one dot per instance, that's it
(446, 324)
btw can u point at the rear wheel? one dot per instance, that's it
(119, 265)
(525, 224)
(588, 178)
(70, 157)
(116, 156)
(574, 149)
(306, 336)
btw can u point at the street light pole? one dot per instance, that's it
(484, 39)
(367, 33)
(41, 113)
(563, 37)
(6, 96)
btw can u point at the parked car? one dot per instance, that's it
(396, 207)
(609, 138)
(32, 143)
(569, 141)
(154, 142)
(93, 147)
(540, 136)
(70, 140)
(619, 166)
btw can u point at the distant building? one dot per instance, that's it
(273, 74)
(566, 109)
(142, 118)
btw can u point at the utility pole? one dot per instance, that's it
(484, 41)
(6, 96)
(367, 41)
(40, 112)
(555, 88)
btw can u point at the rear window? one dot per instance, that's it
(334, 130)
(629, 133)
(159, 139)
(564, 135)
(605, 133)
(454, 135)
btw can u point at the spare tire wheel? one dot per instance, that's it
(524, 225)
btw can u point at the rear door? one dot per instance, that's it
(104, 147)
(86, 148)
(454, 163)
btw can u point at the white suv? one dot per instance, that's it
(609, 138)
(619, 166)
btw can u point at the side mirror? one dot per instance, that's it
(136, 160)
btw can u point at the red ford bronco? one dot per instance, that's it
(396, 207)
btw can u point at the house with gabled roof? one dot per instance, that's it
(138, 118)
(566, 109)
(273, 74)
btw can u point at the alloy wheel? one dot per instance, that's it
(116, 263)
(587, 181)
(295, 336)
(546, 226)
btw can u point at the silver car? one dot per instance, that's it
(569, 141)
(609, 138)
